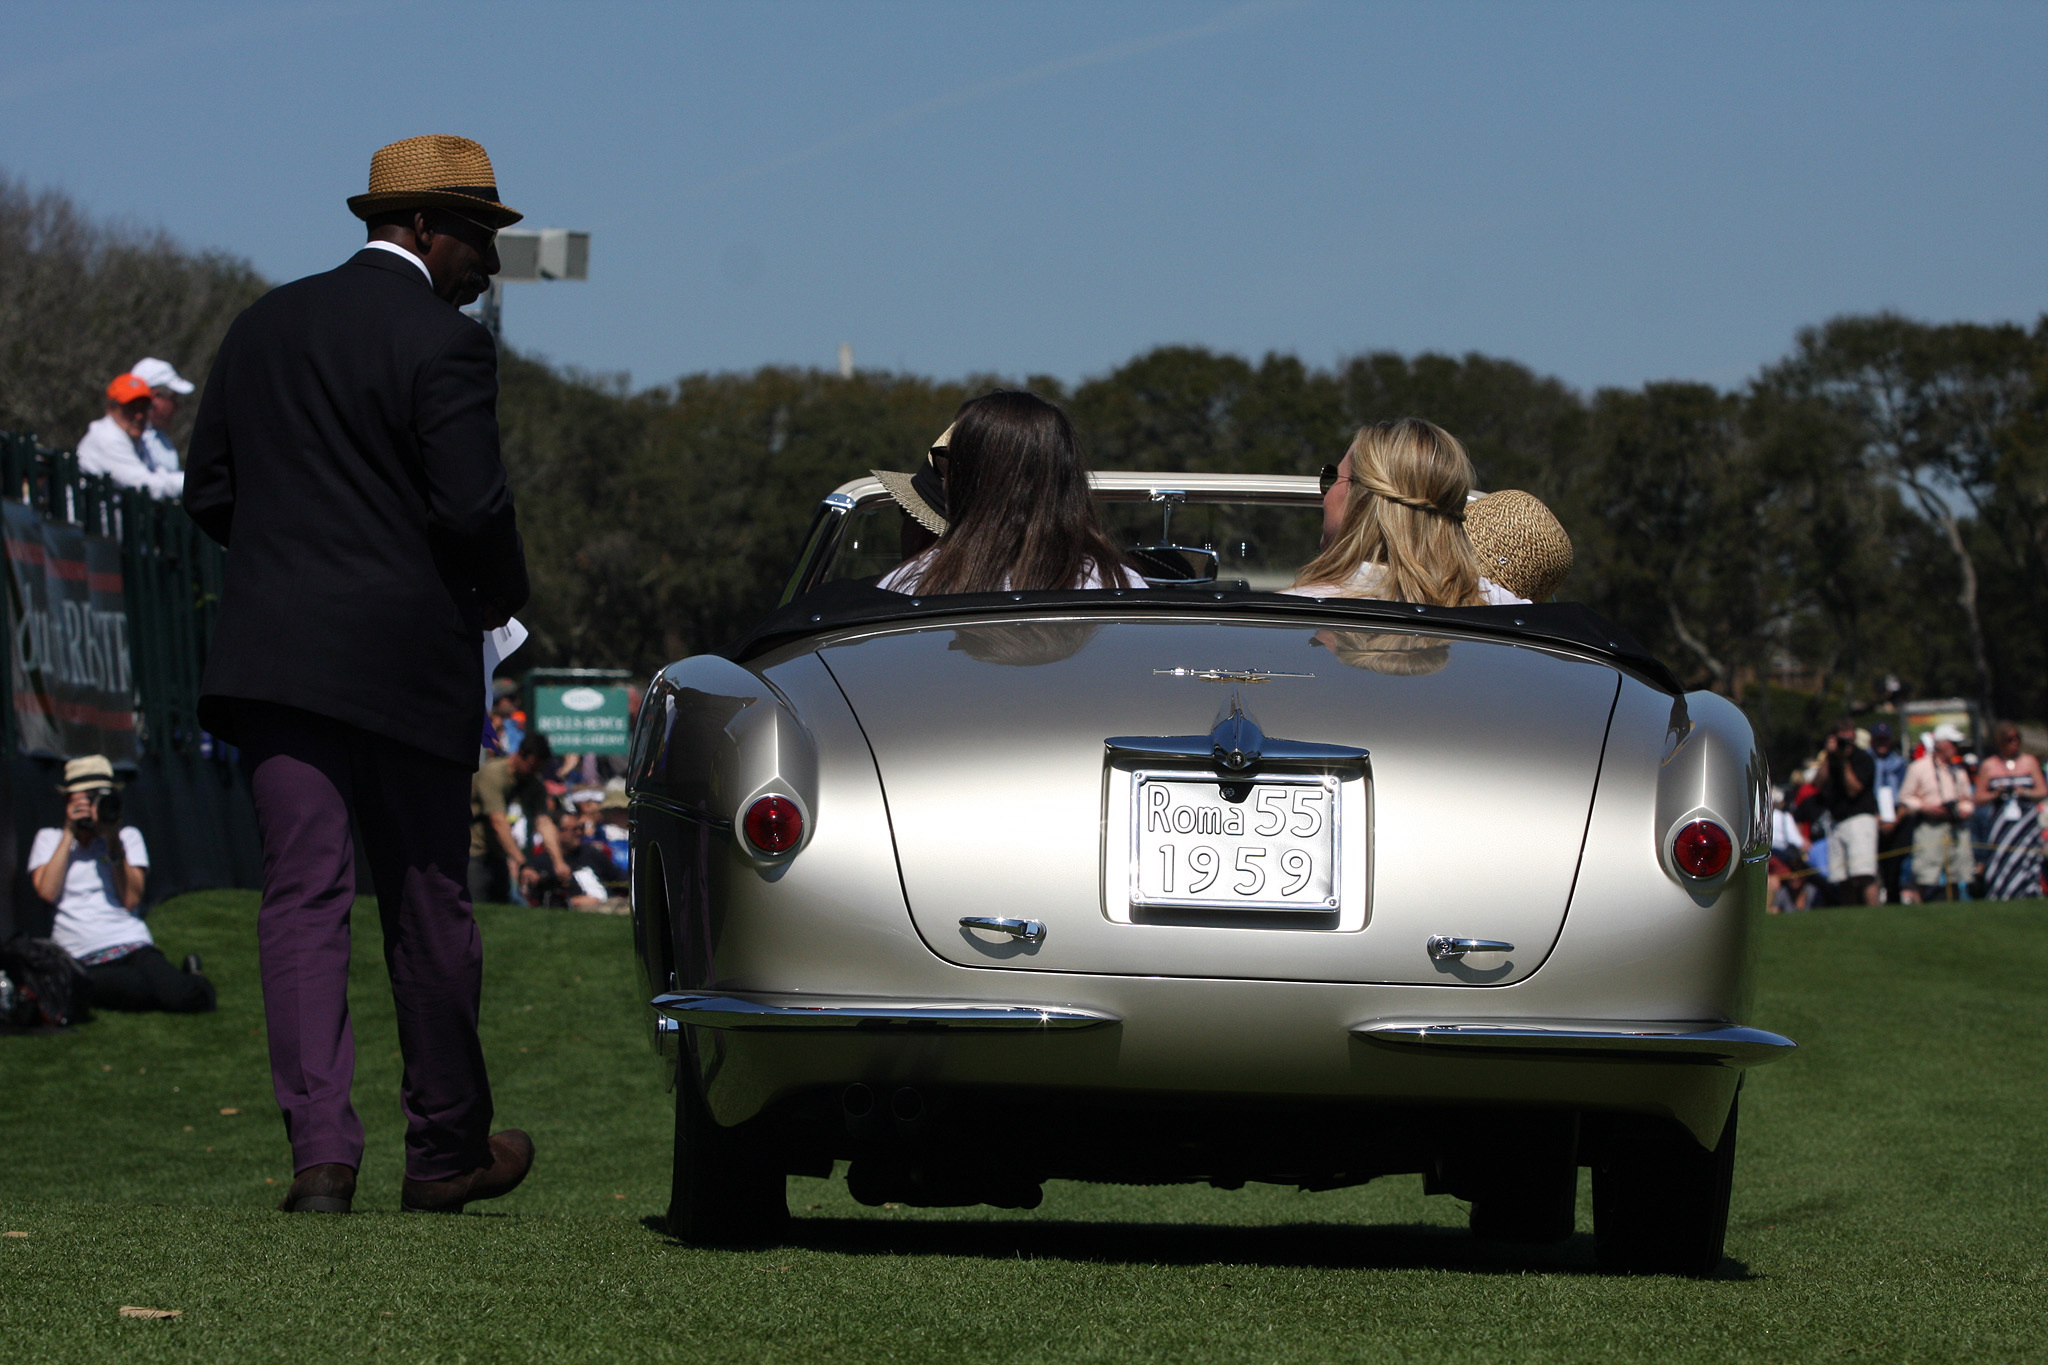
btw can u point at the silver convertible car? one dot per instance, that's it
(1198, 882)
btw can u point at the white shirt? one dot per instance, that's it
(106, 449)
(398, 250)
(1366, 579)
(903, 578)
(158, 450)
(90, 915)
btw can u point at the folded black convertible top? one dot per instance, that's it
(858, 602)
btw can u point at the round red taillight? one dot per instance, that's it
(774, 824)
(1702, 849)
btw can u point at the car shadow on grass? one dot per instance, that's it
(1321, 1246)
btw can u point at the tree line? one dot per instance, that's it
(1864, 516)
(1868, 514)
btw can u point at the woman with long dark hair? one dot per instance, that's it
(1019, 514)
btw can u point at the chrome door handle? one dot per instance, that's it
(1029, 930)
(1446, 949)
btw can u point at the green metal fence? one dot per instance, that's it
(170, 575)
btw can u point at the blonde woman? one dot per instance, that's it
(1394, 522)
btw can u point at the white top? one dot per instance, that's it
(397, 250)
(158, 450)
(1366, 579)
(903, 578)
(90, 915)
(106, 449)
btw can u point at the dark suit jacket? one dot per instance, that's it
(346, 453)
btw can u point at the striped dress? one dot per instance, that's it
(2012, 858)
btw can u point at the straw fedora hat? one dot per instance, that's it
(434, 171)
(91, 773)
(1519, 543)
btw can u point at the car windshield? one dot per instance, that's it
(1176, 540)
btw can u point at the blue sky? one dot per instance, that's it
(1611, 193)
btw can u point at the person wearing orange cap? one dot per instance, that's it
(113, 445)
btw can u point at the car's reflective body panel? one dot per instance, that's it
(1479, 783)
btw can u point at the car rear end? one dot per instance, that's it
(1134, 891)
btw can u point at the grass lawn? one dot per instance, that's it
(1890, 1202)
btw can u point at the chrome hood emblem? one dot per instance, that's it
(1226, 675)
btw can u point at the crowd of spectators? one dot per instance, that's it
(547, 829)
(1867, 824)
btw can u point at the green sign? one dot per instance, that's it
(579, 718)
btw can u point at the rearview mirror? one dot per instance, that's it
(1173, 565)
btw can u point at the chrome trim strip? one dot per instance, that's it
(669, 806)
(1617, 1039)
(1202, 749)
(787, 1013)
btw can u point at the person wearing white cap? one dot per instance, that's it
(1937, 789)
(166, 387)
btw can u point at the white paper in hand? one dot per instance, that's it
(499, 645)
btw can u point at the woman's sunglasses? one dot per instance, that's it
(1329, 477)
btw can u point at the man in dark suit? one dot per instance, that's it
(346, 453)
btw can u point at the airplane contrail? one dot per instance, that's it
(1238, 17)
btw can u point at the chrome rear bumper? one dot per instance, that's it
(786, 1013)
(1606, 1040)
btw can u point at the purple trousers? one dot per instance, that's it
(412, 810)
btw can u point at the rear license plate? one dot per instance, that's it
(1270, 843)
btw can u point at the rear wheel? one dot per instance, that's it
(1660, 1202)
(724, 1190)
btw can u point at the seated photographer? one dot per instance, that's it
(92, 870)
(592, 869)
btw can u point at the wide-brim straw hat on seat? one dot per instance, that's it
(1519, 543)
(434, 171)
(91, 773)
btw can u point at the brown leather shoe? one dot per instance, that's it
(327, 1188)
(511, 1159)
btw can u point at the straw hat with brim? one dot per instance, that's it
(92, 773)
(435, 171)
(898, 485)
(1519, 543)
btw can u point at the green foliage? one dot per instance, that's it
(1819, 528)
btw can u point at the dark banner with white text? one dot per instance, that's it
(74, 692)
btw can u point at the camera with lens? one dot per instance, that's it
(106, 808)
